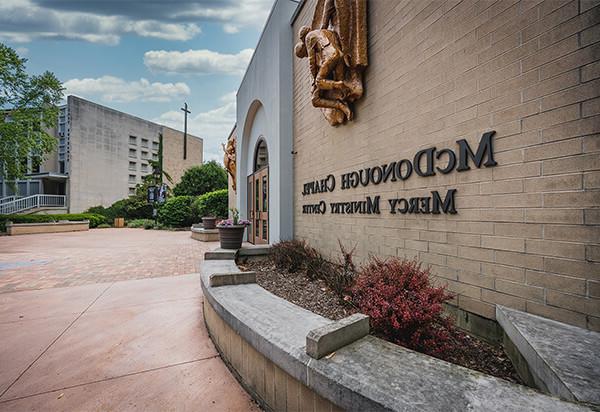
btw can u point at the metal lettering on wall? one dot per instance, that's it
(426, 162)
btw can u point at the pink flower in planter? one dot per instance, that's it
(230, 223)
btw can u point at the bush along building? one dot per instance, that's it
(465, 136)
(101, 155)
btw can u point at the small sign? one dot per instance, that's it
(151, 194)
(162, 193)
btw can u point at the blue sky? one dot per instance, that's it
(144, 57)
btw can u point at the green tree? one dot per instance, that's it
(198, 180)
(29, 106)
(150, 179)
(213, 204)
(177, 212)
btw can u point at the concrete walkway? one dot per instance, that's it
(99, 255)
(105, 343)
(131, 345)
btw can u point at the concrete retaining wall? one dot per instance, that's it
(270, 385)
(262, 338)
(53, 227)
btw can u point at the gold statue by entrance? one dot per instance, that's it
(229, 159)
(336, 47)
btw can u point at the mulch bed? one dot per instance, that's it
(315, 296)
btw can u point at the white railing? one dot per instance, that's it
(32, 202)
(8, 199)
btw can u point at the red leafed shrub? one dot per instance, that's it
(405, 308)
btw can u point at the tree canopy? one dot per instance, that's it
(29, 108)
(198, 180)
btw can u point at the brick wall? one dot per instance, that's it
(527, 232)
(173, 162)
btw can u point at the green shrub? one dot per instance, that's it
(103, 226)
(117, 209)
(199, 180)
(136, 208)
(133, 207)
(94, 219)
(149, 224)
(139, 223)
(213, 204)
(97, 210)
(177, 212)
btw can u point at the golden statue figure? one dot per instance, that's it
(229, 159)
(336, 47)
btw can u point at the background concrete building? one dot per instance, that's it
(102, 154)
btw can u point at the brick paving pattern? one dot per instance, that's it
(101, 255)
(77, 334)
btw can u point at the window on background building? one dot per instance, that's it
(22, 188)
(144, 168)
(132, 140)
(144, 142)
(34, 187)
(144, 155)
(132, 153)
(154, 156)
(132, 166)
(131, 178)
(131, 191)
(61, 167)
(154, 145)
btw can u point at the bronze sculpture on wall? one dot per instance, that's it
(336, 47)
(229, 159)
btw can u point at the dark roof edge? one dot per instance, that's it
(298, 9)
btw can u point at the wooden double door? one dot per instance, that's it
(258, 206)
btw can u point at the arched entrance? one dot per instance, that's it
(258, 195)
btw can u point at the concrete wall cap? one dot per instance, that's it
(61, 222)
(329, 338)
(368, 374)
(562, 358)
(235, 278)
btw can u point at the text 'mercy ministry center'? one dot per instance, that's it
(402, 170)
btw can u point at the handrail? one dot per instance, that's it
(31, 202)
(8, 199)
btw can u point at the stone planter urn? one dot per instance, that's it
(209, 222)
(231, 237)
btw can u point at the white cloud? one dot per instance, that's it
(23, 21)
(115, 89)
(166, 31)
(197, 61)
(234, 14)
(231, 28)
(213, 126)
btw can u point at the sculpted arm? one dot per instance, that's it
(312, 60)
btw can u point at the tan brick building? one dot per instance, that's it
(526, 232)
(102, 155)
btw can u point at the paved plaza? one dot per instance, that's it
(84, 338)
(100, 255)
